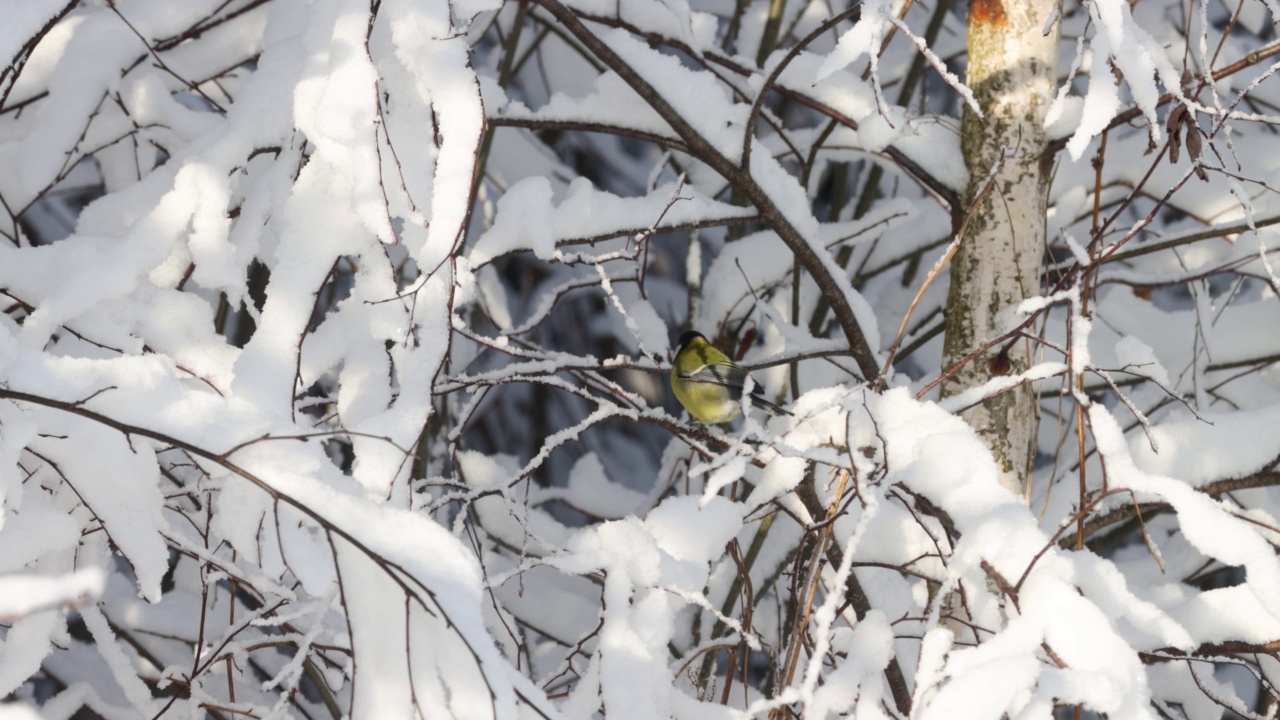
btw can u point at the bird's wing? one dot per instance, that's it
(733, 377)
(721, 373)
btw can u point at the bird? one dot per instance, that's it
(709, 385)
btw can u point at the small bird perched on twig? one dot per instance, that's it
(709, 385)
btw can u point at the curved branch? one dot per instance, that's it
(777, 72)
(9, 75)
(742, 181)
(583, 126)
(413, 587)
(946, 194)
(1124, 513)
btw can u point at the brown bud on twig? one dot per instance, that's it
(1000, 364)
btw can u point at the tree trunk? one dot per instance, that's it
(1012, 71)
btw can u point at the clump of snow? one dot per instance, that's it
(689, 529)
(1205, 523)
(1215, 446)
(523, 223)
(1119, 41)
(25, 594)
(696, 97)
(877, 132)
(864, 38)
(1136, 356)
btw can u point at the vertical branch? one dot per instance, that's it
(1084, 311)
(771, 27)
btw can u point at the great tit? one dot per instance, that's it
(709, 385)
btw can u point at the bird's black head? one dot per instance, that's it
(689, 337)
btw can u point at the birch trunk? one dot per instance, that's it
(1012, 71)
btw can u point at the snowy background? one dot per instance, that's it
(334, 339)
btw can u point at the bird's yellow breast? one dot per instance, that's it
(707, 402)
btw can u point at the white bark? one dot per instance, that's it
(1012, 71)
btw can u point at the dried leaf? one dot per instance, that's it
(1173, 125)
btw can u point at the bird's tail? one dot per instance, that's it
(767, 406)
